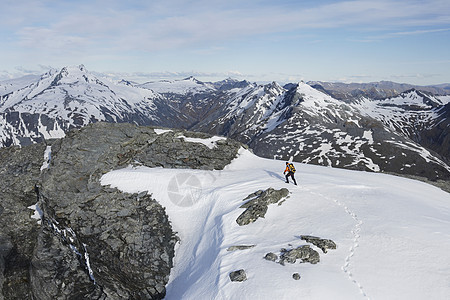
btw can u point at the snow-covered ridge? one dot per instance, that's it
(376, 220)
(185, 86)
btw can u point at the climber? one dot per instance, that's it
(290, 169)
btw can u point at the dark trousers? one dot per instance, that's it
(292, 176)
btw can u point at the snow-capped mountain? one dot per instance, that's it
(307, 125)
(195, 100)
(405, 134)
(420, 116)
(185, 86)
(71, 97)
(373, 90)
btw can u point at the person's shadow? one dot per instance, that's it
(275, 175)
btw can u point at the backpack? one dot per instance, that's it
(291, 167)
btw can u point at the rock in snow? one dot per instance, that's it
(238, 275)
(323, 244)
(257, 206)
(304, 253)
(271, 256)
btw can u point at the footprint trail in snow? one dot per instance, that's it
(356, 232)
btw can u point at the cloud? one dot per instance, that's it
(171, 24)
(417, 32)
(255, 36)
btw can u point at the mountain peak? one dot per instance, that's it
(192, 78)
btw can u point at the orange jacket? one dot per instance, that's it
(287, 169)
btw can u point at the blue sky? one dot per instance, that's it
(285, 41)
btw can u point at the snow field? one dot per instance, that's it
(392, 233)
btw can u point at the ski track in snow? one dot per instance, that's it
(356, 235)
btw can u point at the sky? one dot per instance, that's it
(405, 41)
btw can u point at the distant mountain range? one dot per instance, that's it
(375, 90)
(382, 126)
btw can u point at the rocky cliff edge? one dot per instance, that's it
(87, 241)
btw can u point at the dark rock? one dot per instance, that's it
(296, 276)
(258, 204)
(304, 253)
(240, 247)
(323, 244)
(94, 242)
(271, 256)
(252, 213)
(238, 275)
(19, 172)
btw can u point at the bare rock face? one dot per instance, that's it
(94, 242)
(19, 171)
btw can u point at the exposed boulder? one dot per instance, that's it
(271, 256)
(296, 276)
(240, 247)
(323, 244)
(305, 253)
(259, 201)
(238, 275)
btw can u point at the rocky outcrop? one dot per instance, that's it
(323, 244)
(93, 242)
(240, 247)
(238, 275)
(259, 201)
(19, 171)
(271, 256)
(304, 253)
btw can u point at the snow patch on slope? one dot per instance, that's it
(209, 142)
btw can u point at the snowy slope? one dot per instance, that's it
(392, 233)
(8, 86)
